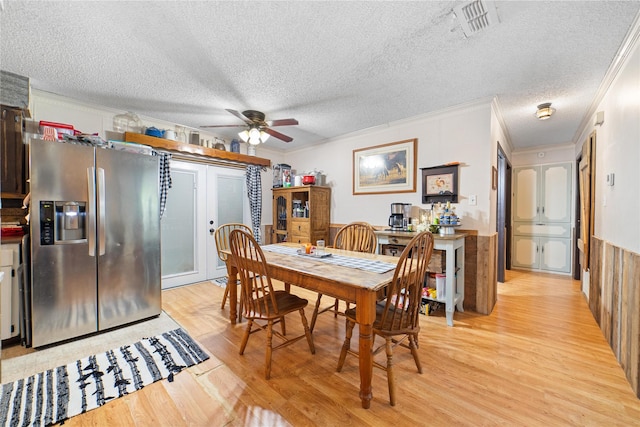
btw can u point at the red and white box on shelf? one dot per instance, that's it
(52, 131)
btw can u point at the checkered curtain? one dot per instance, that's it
(254, 192)
(165, 180)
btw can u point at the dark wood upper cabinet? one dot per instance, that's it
(13, 154)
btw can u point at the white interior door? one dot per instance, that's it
(526, 253)
(226, 202)
(556, 193)
(183, 225)
(526, 194)
(556, 254)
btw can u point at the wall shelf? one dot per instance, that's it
(166, 144)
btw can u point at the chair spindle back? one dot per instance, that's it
(258, 298)
(356, 236)
(404, 295)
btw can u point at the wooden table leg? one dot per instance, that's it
(232, 277)
(365, 316)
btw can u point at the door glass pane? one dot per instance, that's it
(230, 198)
(178, 224)
(230, 201)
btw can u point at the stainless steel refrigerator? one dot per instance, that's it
(95, 240)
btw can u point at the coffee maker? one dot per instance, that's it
(396, 220)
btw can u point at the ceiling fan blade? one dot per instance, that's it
(278, 135)
(239, 115)
(224, 126)
(283, 122)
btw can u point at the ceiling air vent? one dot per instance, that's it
(475, 16)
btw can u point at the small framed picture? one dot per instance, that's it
(440, 184)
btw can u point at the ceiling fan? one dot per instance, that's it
(259, 129)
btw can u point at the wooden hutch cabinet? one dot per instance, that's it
(301, 214)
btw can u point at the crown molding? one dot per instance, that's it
(495, 103)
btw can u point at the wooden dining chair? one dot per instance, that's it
(398, 315)
(260, 301)
(358, 237)
(221, 236)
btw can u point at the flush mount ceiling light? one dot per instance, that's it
(545, 111)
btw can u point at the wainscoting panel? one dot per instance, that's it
(630, 336)
(487, 274)
(595, 285)
(614, 300)
(471, 272)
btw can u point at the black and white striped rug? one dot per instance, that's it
(57, 394)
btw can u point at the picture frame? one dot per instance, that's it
(386, 168)
(494, 178)
(440, 184)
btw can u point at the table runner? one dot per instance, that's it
(371, 265)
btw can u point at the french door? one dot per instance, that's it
(201, 198)
(227, 202)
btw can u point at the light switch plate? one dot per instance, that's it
(611, 179)
(472, 200)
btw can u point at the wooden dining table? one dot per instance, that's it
(347, 283)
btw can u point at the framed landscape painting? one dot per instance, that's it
(387, 168)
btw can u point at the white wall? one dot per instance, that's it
(86, 117)
(462, 134)
(617, 208)
(544, 155)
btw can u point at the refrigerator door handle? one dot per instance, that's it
(91, 211)
(101, 211)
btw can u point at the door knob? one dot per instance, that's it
(212, 230)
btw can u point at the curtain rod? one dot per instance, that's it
(206, 160)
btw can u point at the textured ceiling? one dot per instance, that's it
(337, 67)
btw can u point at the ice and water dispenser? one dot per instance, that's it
(62, 221)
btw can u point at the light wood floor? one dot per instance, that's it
(538, 360)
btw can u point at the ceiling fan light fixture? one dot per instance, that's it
(545, 111)
(264, 136)
(254, 136)
(258, 130)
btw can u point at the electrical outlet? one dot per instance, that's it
(472, 200)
